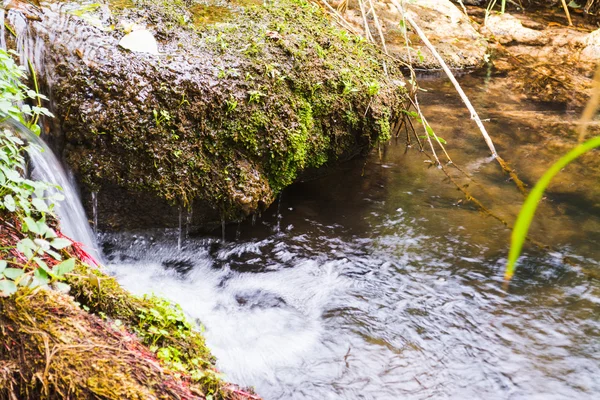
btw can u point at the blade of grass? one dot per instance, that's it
(527, 212)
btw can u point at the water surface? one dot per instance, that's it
(380, 281)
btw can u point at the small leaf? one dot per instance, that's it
(60, 243)
(3, 265)
(40, 205)
(26, 246)
(64, 267)
(25, 281)
(7, 288)
(31, 225)
(9, 203)
(54, 255)
(40, 277)
(13, 273)
(43, 244)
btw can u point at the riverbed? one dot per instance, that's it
(380, 281)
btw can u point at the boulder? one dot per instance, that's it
(239, 102)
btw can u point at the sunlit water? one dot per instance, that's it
(380, 282)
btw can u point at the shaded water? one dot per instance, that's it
(380, 282)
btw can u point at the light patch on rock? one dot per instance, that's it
(508, 29)
(140, 41)
(591, 52)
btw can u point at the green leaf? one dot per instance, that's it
(64, 267)
(13, 273)
(25, 281)
(40, 204)
(32, 226)
(54, 255)
(42, 244)
(9, 203)
(3, 265)
(7, 288)
(40, 278)
(519, 233)
(60, 243)
(27, 247)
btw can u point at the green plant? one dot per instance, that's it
(373, 88)
(231, 104)
(160, 117)
(527, 212)
(14, 94)
(255, 96)
(36, 259)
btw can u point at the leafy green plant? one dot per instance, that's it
(14, 94)
(373, 88)
(527, 212)
(231, 104)
(37, 258)
(161, 116)
(255, 96)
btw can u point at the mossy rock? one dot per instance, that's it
(233, 110)
(52, 349)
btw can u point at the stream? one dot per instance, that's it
(379, 281)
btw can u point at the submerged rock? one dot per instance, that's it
(233, 109)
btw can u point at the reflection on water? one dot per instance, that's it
(382, 284)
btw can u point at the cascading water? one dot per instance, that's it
(46, 167)
(30, 43)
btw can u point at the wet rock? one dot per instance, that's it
(234, 108)
(182, 267)
(547, 62)
(260, 299)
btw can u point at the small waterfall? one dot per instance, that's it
(95, 211)
(223, 230)
(180, 231)
(47, 168)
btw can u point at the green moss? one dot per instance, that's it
(160, 325)
(276, 90)
(385, 130)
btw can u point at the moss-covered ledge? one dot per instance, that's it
(230, 113)
(101, 342)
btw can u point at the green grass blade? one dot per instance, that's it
(521, 227)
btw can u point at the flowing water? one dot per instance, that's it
(46, 167)
(380, 282)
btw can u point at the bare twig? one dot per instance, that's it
(378, 26)
(363, 12)
(590, 107)
(564, 4)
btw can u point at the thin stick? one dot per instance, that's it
(340, 18)
(378, 26)
(564, 4)
(368, 35)
(590, 107)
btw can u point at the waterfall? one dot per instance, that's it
(46, 167)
